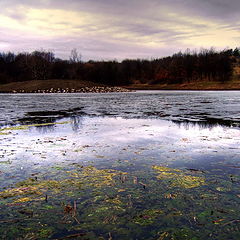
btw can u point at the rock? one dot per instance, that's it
(95, 89)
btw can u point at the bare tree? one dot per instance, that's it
(75, 57)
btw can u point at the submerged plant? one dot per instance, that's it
(188, 181)
(147, 216)
(88, 177)
(178, 178)
(25, 127)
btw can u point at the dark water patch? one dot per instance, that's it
(50, 116)
(207, 122)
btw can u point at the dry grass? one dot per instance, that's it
(46, 84)
(77, 84)
(232, 85)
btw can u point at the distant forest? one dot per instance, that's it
(206, 65)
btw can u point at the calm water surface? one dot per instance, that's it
(145, 165)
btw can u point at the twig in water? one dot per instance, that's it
(144, 185)
(236, 220)
(110, 236)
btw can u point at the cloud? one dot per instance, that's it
(120, 28)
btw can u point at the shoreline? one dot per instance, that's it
(123, 91)
(80, 86)
(67, 90)
(197, 86)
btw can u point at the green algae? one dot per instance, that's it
(21, 127)
(45, 233)
(87, 177)
(97, 178)
(222, 189)
(4, 133)
(25, 127)
(147, 217)
(5, 162)
(20, 191)
(188, 181)
(105, 203)
(177, 178)
(165, 169)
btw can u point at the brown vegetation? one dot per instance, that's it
(57, 86)
(200, 85)
(46, 84)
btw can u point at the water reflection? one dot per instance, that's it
(207, 123)
(39, 117)
(76, 115)
(109, 135)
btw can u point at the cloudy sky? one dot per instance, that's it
(118, 29)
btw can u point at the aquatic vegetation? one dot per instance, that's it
(147, 217)
(25, 127)
(178, 178)
(166, 172)
(146, 191)
(20, 200)
(163, 236)
(222, 189)
(4, 133)
(5, 162)
(45, 232)
(165, 169)
(20, 127)
(86, 177)
(188, 181)
(94, 177)
(29, 190)
(115, 200)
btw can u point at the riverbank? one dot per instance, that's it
(79, 86)
(58, 86)
(197, 86)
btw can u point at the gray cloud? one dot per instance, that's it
(123, 28)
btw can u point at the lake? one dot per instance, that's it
(157, 165)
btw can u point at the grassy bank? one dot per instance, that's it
(200, 85)
(36, 85)
(29, 86)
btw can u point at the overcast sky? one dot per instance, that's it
(118, 29)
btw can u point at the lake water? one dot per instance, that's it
(145, 165)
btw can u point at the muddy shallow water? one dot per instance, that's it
(66, 175)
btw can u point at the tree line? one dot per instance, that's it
(188, 66)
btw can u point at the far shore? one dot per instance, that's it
(59, 86)
(197, 86)
(79, 86)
